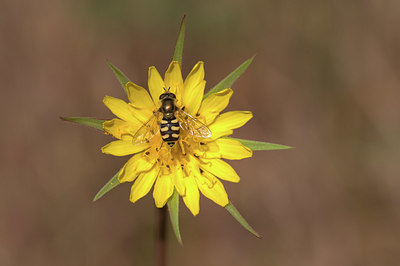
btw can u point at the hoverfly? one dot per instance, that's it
(169, 119)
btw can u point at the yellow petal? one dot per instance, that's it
(119, 128)
(133, 167)
(208, 150)
(156, 85)
(192, 196)
(138, 96)
(120, 109)
(177, 178)
(173, 80)
(213, 105)
(193, 91)
(143, 115)
(220, 169)
(163, 190)
(143, 184)
(212, 188)
(122, 148)
(195, 76)
(193, 98)
(232, 149)
(225, 123)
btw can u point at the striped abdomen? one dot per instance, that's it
(170, 129)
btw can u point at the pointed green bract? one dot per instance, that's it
(120, 76)
(261, 146)
(173, 208)
(112, 183)
(230, 79)
(87, 121)
(179, 43)
(235, 213)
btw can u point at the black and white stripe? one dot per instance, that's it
(170, 130)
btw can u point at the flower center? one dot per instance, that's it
(169, 158)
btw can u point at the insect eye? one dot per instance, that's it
(162, 96)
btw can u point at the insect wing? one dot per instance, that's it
(192, 125)
(148, 130)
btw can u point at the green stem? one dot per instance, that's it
(161, 237)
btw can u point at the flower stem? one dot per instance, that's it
(161, 237)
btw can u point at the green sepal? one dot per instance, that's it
(173, 208)
(261, 146)
(120, 76)
(230, 79)
(179, 43)
(112, 183)
(235, 213)
(87, 121)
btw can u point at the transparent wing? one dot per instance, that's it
(148, 130)
(192, 125)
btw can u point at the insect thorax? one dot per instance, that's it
(168, 108)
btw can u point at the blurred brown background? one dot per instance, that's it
(325, 80)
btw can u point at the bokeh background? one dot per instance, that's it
(325, 80)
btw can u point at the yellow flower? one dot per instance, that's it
(193, 164)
